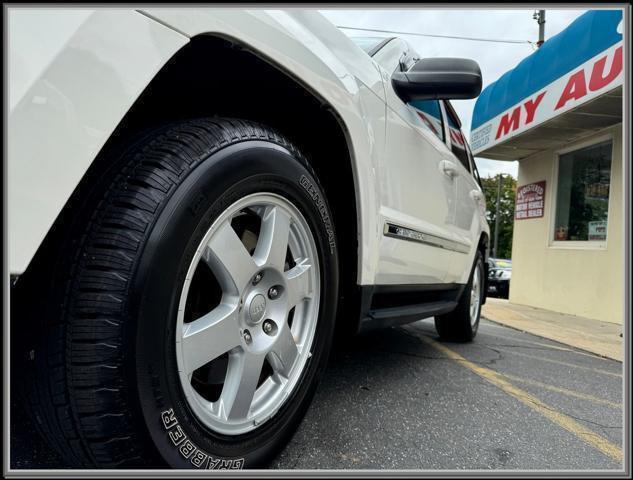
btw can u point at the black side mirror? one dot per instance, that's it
(438, 78)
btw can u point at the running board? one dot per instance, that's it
(387, 306)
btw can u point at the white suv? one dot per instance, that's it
(193, 195)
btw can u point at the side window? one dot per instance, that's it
(429, 111)
(475, 172)
(458, 142)
(431, 115)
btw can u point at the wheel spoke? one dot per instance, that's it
(226, 254)
(273, 238)
(210, 336)
(240, 385)
(284, 352)
(298, 283)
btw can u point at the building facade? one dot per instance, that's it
(559, 113)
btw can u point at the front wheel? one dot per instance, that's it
(201, 305)
(462, 323)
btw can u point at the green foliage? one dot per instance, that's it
(506, 211)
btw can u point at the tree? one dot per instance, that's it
(506, 211)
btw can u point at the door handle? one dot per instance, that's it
(479, 199)
(448, 168)
(476, 195)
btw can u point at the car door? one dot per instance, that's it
(416, 195)
(468, 198)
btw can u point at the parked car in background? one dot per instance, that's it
(499, 274)
(194, 193)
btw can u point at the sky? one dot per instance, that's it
(494, 58)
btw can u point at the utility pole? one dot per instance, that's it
(496, 239)
(540, 19)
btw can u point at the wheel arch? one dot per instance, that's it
(185, 87)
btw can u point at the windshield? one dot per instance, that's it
(502, 263)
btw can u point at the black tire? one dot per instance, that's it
(456, 326)
(105, 369)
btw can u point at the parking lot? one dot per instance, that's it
(400, 399)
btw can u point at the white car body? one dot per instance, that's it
(72, 80)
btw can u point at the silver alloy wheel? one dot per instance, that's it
(251, 321)
(475, 296)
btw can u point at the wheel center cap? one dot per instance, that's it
(257, 308)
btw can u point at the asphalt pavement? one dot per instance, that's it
(401, 399)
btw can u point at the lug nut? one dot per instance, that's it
(247, 337)
(273, 293)
(257, 278)
(269, 327)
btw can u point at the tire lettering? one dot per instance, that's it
(314, 194)
(189, 450)
(169, 420)
(177, 436)
(217, 464)
(198, 459)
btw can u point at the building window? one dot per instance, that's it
(582, 194)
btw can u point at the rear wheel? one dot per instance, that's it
(462, 323)
(200, 306)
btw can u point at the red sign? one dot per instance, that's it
(530, 201)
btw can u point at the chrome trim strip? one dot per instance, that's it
(404, 233)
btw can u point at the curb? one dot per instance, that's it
(600, 355)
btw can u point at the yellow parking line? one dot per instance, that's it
(564, 391)
(558, 362)
(569, 424)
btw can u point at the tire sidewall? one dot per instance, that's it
(211, 187)
(479, 264)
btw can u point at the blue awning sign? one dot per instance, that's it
(579, 64)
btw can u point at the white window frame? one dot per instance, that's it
(578, 244)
